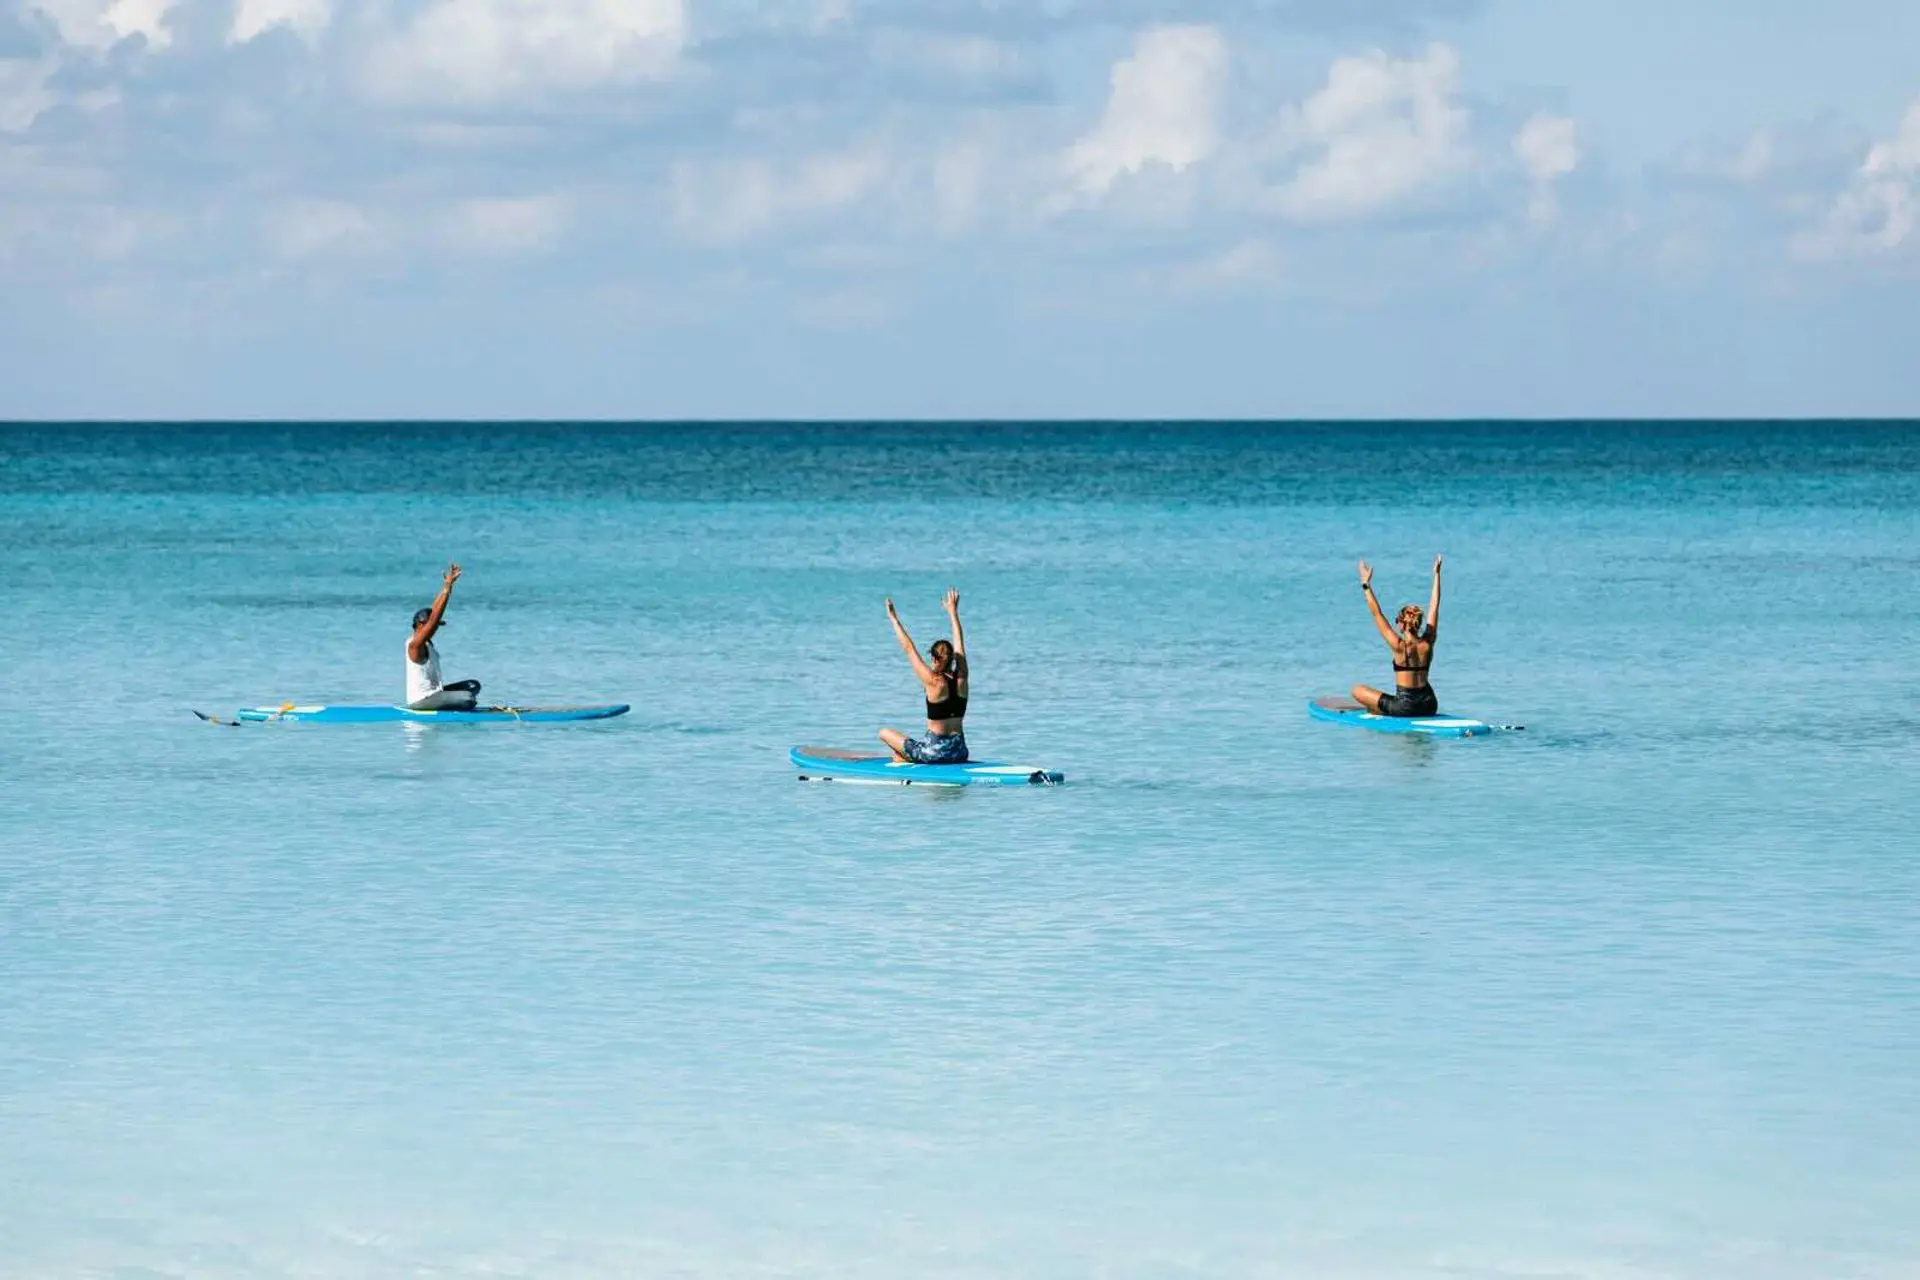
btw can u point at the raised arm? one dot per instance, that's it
(1433, 601)
(920, 667)
(1385, 628)
(959, 637)
(416, 647)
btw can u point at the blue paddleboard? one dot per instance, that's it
(394, 715)
(1338, 710)
(825, 764)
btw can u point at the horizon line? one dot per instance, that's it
(970, 420)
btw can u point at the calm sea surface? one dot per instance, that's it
(1632, 994)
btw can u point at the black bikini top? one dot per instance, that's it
(1428, 667)
(951, 707)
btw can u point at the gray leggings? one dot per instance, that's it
(461, 696)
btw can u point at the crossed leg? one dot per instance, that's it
(1367, 696)
(463, 695)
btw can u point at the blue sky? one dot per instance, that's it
(958, 208)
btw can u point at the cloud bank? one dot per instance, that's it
(844, 162)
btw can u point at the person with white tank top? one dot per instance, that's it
(426, 691)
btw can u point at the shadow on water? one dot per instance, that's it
(1417, 750)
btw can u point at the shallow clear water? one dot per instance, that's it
(1634, 993)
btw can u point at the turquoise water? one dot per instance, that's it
(1633, 994)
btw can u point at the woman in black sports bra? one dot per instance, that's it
(1412, 645)
(943, 675)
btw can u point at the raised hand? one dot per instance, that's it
(952, 600)
(1437, 560)
(891, 612)
(1366, 574)
(453, 574)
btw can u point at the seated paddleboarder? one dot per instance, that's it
(1412, 645)
(425, 690)
(943, 674)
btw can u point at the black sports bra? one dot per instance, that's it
(951, 707)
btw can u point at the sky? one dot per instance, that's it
(665, 209)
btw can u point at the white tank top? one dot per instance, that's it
(423, 678)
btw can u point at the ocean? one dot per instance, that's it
(1634, 993)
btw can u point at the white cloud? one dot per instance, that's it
(732, 200)
(1902, 155)
(23, 94)
(309, 229)
(962, 57)
(98, 24)
(959, 184)
(303, 231)
(850, 308)
(1384, 127)
(252, 18)
(143, 17)
(1807, 158)
(1548, 148)
(1753, 160)
(1164, 108)
(509, 226)
(1880, 209)
(1248, 265)
(489, 51)
(38, 235)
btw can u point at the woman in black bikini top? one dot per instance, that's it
(943, 679)
(1410, 635)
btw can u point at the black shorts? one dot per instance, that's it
(1405, 703)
